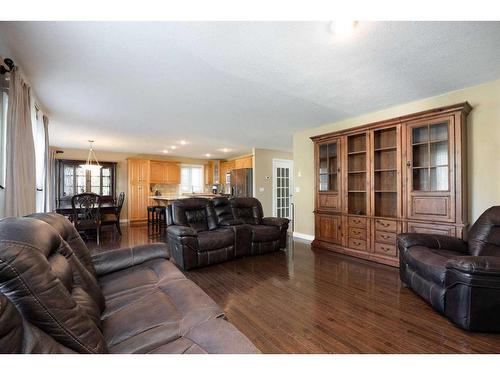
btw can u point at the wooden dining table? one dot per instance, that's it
(67, 210)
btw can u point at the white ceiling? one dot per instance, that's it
(141, 87)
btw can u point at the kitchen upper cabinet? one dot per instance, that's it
(173, 173)
(162, 172)
(157, 172)
(245, 162)
(226, 167)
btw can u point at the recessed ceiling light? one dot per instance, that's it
(173, 147)
(207, 155)
(165, 151)
(342, 28)
(183, 142)
(225, 150)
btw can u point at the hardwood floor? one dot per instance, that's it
(314, 301)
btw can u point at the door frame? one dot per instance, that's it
(275, 163)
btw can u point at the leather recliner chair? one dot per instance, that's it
(194, 238)
(57, 298)
(267, 233)
(460, 279)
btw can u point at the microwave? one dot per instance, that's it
(228, 178)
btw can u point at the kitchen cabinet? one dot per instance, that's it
(138, 189)
(246, 162)
(162, 172)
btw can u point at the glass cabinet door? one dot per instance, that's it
(430, 154)
(328, 167)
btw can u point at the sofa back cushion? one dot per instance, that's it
(69, 234)
(19, 336)
(222, 209)
(198, 213)
(47, 283)
(248, 210)
(484, 235)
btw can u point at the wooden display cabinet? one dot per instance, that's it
(406, 174)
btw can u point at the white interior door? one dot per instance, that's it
(282, 188)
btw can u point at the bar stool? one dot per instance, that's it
(151, 215)
(161, 216)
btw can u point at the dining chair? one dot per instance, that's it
(86, 212)
(114, 217)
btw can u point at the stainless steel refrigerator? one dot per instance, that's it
(241, 182)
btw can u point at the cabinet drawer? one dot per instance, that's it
(384, 249)
(446, 230)
(357, 233)
(386, 225)
(358, 222)
(385, 237)
(357, 244)
(329, 201)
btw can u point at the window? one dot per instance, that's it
(192, 179)
(72, 179)
(3, 143)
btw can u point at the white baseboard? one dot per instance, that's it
(124, 221)
(303, 236)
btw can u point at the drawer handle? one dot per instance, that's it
(385, 237)
(355, 231)
(385, 225)
(385, 248)
(356, 243)
(356, 221)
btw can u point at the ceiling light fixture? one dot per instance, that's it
(173, 147)
(342, 28)
(207, 155)
(225, 150)
(165, 151)
(183, 142)
(88, 165)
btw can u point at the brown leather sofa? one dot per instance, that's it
(460, 279)
(57, 298)
(204, 232)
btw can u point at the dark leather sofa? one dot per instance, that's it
(57, 298)
(202, 232)
(460, 279)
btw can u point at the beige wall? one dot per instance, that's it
(262, 168)
(121, 159)
(483, 149)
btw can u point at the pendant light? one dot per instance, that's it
(89, 166)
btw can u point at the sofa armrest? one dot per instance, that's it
(231, 222)
(119, 259)
(275, 221)
(475, 265)
(432, 241)
(181, 231)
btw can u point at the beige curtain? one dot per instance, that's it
(20, 189)
(50, 161)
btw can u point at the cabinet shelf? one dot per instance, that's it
(386, 170)
(429, 142)
(390, 148)
(356, 152)
(386, 191)
(353, 172)
(431, 166)
(356, 191)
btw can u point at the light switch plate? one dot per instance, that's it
(261, 189)
(297, 189)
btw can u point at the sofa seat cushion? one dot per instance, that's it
(215, 336)
(157, 317)
(264, 233)
(429, 263)
(215, 239)
(126, 286)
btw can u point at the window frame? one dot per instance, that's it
(202, 179)
(62, 163)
